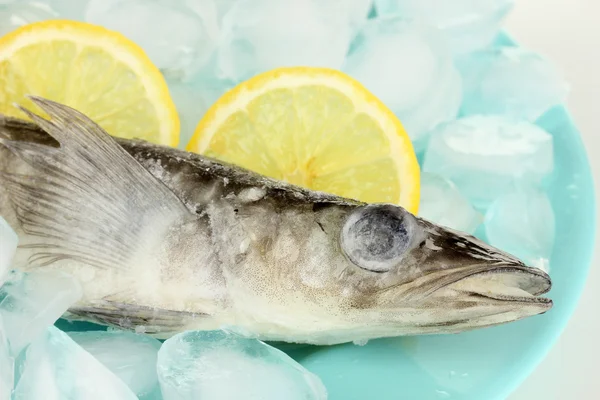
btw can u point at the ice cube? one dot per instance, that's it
(442, 106)
(57, 368)
(216, 365)
(357, 10)
(213, 90)
(354, 11)
(8, 247)
(208, 11)
(69, 9)
(522, 223)
(406, 65)
(468, 25)
(96, 9)
(259, 35)
(486, 156)
(6, 365)
(442, 202)
(191, 106)
(174, 37)
(510, 81)
(129, 356)
(223, 7)
(32, 303)
(16, 14)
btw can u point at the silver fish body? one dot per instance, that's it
(166, 240)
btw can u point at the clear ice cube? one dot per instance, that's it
(442, 203)
(221, 7)
(407, 66)
(486, 156)
(129, 356)
(208, 11)
(213, 90)
(96, 9)
(510, 81)
(16, 14)
(354, 11)
(191, 106)
(522, 223)
(56, 368)
(69, 9)
(174, 37)
(8, 247)
(441, 106)
(6, 365)
(216, 365)
(32, 302)
(259, 35)
(468, 25)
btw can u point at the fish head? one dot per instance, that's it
(405, 275)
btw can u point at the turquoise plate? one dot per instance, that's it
(487, 364)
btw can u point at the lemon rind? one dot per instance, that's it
(240, 96)
(118, 46)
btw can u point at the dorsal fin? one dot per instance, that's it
(17, 129)
(88, 200)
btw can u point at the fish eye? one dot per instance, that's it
(375, 237)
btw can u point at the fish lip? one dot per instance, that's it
(543, 301)
(538, 281)
(543, 279)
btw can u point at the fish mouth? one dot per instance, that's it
(506, 283)
(485, 296)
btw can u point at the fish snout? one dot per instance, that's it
(506, 283)
(465, 264)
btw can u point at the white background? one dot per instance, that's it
(568, 31)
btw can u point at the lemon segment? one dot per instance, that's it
(316, 128)
(92, 69)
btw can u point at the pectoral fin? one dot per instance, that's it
(153, 321)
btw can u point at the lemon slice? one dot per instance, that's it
(94, 70)
(317, 128)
